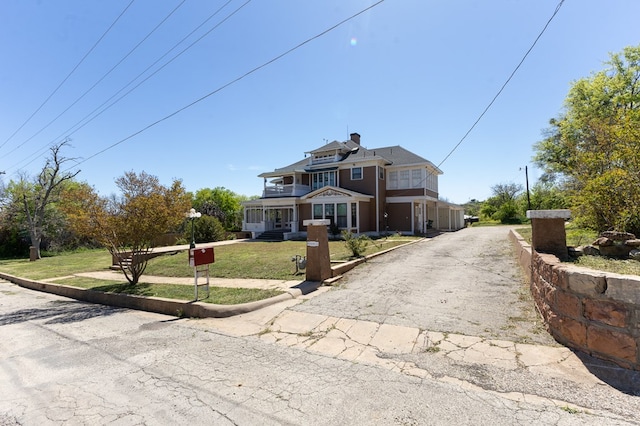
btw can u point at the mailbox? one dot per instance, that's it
(201, 256)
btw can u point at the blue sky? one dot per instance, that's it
(415, 73)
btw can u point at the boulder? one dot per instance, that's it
(590, 251)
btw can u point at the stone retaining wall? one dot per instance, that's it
(592, 311)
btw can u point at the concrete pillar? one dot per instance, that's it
(548, 233)
(318, 262)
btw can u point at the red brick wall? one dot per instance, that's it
(592, 311)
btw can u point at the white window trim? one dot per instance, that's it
(361, 173)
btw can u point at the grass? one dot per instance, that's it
(217, 295)
(259, 260)
(58, 266)
(577, 237)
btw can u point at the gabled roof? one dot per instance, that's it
(391, 156)
(402, 157)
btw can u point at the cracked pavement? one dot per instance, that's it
(412, 338)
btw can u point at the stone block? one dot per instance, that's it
(568, 305)
(624, 288)
(568, 330)
(610, 313)
(561, 276)
(586, 282)
(612, 343)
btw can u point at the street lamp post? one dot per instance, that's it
(193, 215)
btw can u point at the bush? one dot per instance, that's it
(356, 244)
(206, 229)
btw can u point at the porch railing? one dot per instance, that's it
(292, 190)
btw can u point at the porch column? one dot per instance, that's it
(294, 224)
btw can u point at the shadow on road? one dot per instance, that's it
(59, 312)
(627, 381)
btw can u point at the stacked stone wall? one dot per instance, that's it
(595, 312)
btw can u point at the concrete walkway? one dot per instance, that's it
(213, 281)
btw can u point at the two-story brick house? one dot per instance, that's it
(359, 189)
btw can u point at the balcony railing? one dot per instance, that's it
(292, 190)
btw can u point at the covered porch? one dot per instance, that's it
(262, 217)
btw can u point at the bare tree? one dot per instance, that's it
(36, 195)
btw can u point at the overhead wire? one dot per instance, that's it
(101, 78)
(79, 125)
(504, 85)
(544, 29)
(231, 82)
(73, 70)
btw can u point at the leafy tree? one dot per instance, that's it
(221, 203)
(503, 205)
(547, 196)
(592, 148)
(35, 197)
(128, 224)
(472, 207)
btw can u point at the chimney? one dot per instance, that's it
(355, 137)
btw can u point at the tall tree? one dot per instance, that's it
(221, 203)
(502, 205)
(128, 224)
(35, 196)
(593, 147)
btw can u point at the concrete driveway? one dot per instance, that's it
(464, 282)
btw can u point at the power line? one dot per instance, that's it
(505, 83)
(224, 86)
(101, 78)
(79, 125)
(499, 91)
(68, 75)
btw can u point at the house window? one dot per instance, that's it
(322, 179)
(329, 210)
(336, 213)
(393, 180)
(356, 173)
(403, 179)
(416, 178)
(342, 215)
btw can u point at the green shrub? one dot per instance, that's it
(356, 244)
(206, 229)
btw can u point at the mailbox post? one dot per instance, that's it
(200, 259)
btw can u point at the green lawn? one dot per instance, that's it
(59, 265)
(261, 260)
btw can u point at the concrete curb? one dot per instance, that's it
(158, 304)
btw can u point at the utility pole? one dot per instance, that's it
(526, 176)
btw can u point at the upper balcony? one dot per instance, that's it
(280, 190)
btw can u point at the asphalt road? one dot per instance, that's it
(64, 362)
